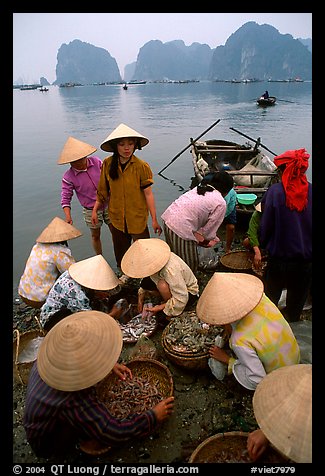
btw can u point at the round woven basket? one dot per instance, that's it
(21, 342)
(237, 260)
(185, 359)
(152, 370)
(231, 447)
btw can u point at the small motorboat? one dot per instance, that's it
(270, 101)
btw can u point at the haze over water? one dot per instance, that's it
(168, 114)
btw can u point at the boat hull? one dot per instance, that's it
(252, 170)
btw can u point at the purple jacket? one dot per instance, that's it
(84, 183)
(285, 233)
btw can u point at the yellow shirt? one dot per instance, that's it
(127, 201)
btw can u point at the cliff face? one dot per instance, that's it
(253, 51)
(80, 62)
(172, 60)
(260, 51)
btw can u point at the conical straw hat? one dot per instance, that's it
(75, 149)
(80, 350)
(120, 132)
(228, 297)
(58, 230)
(94, 273)
(145, 257)
(282, 405)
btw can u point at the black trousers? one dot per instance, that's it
(293, 275)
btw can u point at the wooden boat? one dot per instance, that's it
(270, 101)
(253, 171)
(125, 87)
(43, 88)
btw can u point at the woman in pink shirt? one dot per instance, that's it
(82, 177)
(194, 218)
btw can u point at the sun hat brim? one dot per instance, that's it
(282, 405)
(75, 149)
(94, 273)
(145, 257)
(228, 297)
(80, 350)
(58, 230)
(122, 131)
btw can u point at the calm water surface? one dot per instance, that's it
(168, 114)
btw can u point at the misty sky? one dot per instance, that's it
(37, 37)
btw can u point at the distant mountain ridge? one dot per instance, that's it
(253, 51)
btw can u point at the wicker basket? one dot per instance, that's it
(237, 260)
(21, 342)
(231, 447)
(186, 359)
(153, 370)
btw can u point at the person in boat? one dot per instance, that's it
(173, 279)
(251, 240)
(194, 218)
(284, 395)
(230, 219)
(286, 233)
(82, 287)
(126, 181)
(62, 408)
(82, 178)
(49, 257)
(260, 338)
(265, 95)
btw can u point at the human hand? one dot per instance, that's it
(256, 444)
(219, 354)
(156, 227)
(164, 409)
(257, 258)
(94, 217)
(122, 371)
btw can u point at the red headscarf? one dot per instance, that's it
(294, 179)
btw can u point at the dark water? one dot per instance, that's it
(168, 114)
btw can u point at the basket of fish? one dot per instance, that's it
(231, 447)
(134, 326)
(152, 382)
(186, 341)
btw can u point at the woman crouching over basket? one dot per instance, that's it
(62, 407)
(163, 271)
(260, 337)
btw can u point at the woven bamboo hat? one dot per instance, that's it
(145, 257)
(75, 149)
(228, 297)
(94, 273)
(58, 230)
(282, 405)
(80, 350)
(120, 132)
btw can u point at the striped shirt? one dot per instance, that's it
(262, 341)
(48, 411)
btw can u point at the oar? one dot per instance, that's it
(180, 153)
(254, 140)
